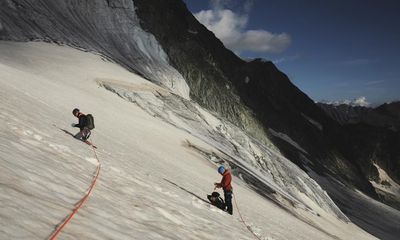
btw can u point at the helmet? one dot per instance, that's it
(75, 111)
(221, 169)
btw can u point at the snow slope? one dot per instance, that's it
(110, 27)
(157, 165)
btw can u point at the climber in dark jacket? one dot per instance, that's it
(225, 184)
(84, 132)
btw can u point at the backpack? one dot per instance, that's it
(218, 201)
(89, 121)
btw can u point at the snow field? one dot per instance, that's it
(151, 184)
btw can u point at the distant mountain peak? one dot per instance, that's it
(358, 102)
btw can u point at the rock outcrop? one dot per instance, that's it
(373, 136)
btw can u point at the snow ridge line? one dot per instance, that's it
(81, 202)
(245, 224)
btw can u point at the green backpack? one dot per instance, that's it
(89, 121)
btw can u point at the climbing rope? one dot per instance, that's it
(81, 202)
(245, 224)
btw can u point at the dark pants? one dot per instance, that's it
(83, 134)
(228, 201)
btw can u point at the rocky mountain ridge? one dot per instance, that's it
(373, 135)
(386, 115)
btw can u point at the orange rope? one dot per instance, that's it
(247, 226)
(81, 202)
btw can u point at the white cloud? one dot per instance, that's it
(358, 102)
(361, 101)
(263, 41)
(229, 27)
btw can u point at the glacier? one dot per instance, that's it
(159, 152)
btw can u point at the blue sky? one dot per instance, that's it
(331, 50)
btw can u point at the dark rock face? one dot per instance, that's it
(367, 144)
(344, 113)
(391, 114)
(386, 115)
(378, 145)
(372, 136)
(197, 54)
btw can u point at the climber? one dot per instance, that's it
(225, 184)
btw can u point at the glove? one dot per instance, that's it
(73, 125)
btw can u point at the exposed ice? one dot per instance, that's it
(287, 139)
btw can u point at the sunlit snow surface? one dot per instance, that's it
(159, 154)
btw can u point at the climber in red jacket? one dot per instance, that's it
(225, 184)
